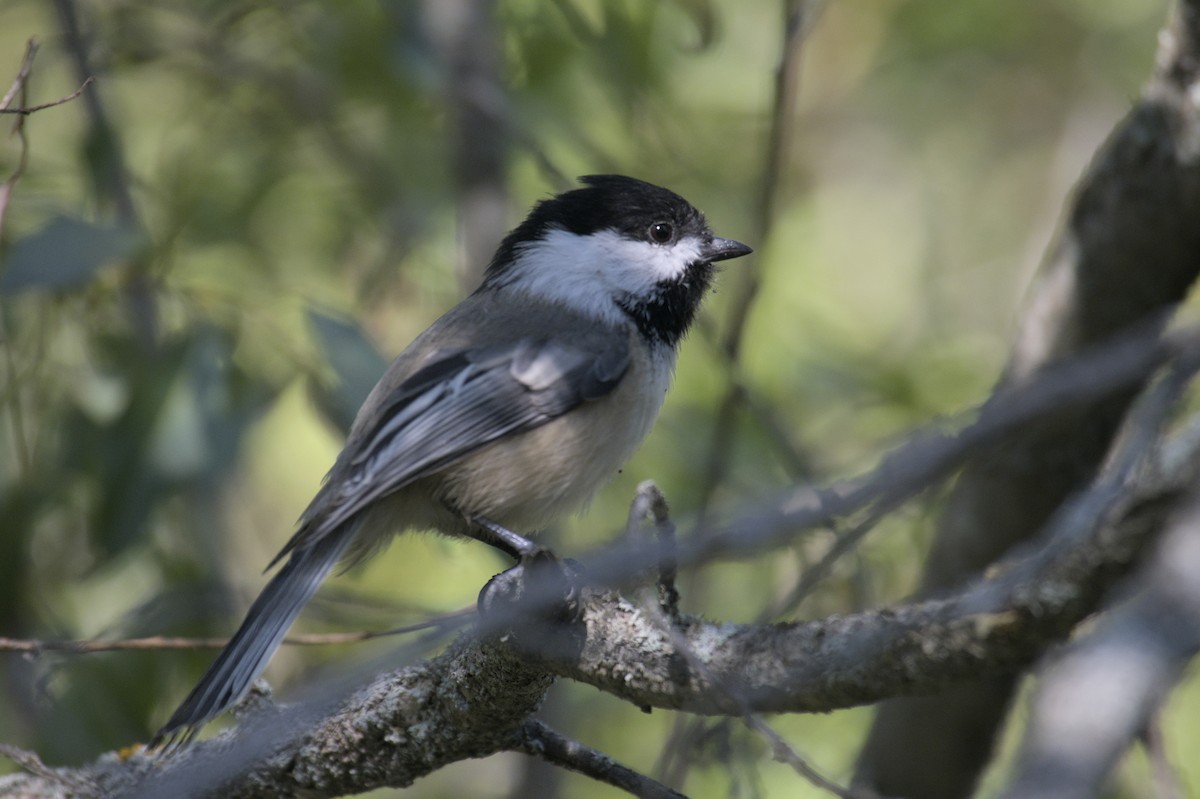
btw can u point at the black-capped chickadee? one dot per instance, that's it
(509, 411)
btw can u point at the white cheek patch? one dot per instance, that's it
(587, 272)
(632, 261)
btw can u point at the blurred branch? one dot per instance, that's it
(20, 82)
(737, 394)
(1128, 249)
(464, 32)
(797, 461)
(31, 763)
(1167, 782)
(19, 88)
(671, 627)
(651, 505)
(785, 753)
(1097, 699)
(33, 109)
(845, 541)
(469, 701)
(776, 160)
(797, 22)
(796, 19)
(111, 180)
(932, 454)
(992, 626)
(536, 739)
(159, 642)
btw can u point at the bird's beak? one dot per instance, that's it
(720, 249)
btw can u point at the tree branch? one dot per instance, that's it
(112, 182)
(536, 739)
(993, 627)
(33, 109)
(1098, 698)
(1129, 249)
(471, 700)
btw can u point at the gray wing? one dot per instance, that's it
(453, 406)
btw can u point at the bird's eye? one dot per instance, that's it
(661, 232)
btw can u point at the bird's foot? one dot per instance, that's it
(541, 585)
(537, 603)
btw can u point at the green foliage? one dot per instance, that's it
(355, 361)
(64, 255)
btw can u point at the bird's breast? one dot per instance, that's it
(527, 481)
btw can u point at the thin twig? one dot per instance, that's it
(933, 453)
(27, 760)
(779, 140)
(19, 88)
(783, 751)
(651, 504)
(157, 642)
(845, 542)
(536, 739)
(18, 85)
(115, 185)
(780, 137)
(33, 109)
(664, 530)
(33, 764)
(1167, 783)
(794, 457)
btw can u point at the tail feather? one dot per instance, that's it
(247, 653)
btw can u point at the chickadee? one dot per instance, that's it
(509, 411)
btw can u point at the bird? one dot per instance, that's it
(508, 412)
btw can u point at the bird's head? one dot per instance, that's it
(617, 249)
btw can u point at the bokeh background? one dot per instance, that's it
(195, 298)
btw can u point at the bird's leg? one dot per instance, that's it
(513, 544)
(540, 587)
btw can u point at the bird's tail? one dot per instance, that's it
(247, 653)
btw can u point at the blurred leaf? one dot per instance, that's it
(183, 425)
(19, 504)
(225, 401)
(356, 363)
(704, 16)
(116, 454)
(64, 254)
(98, 698)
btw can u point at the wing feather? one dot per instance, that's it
(453, 406)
